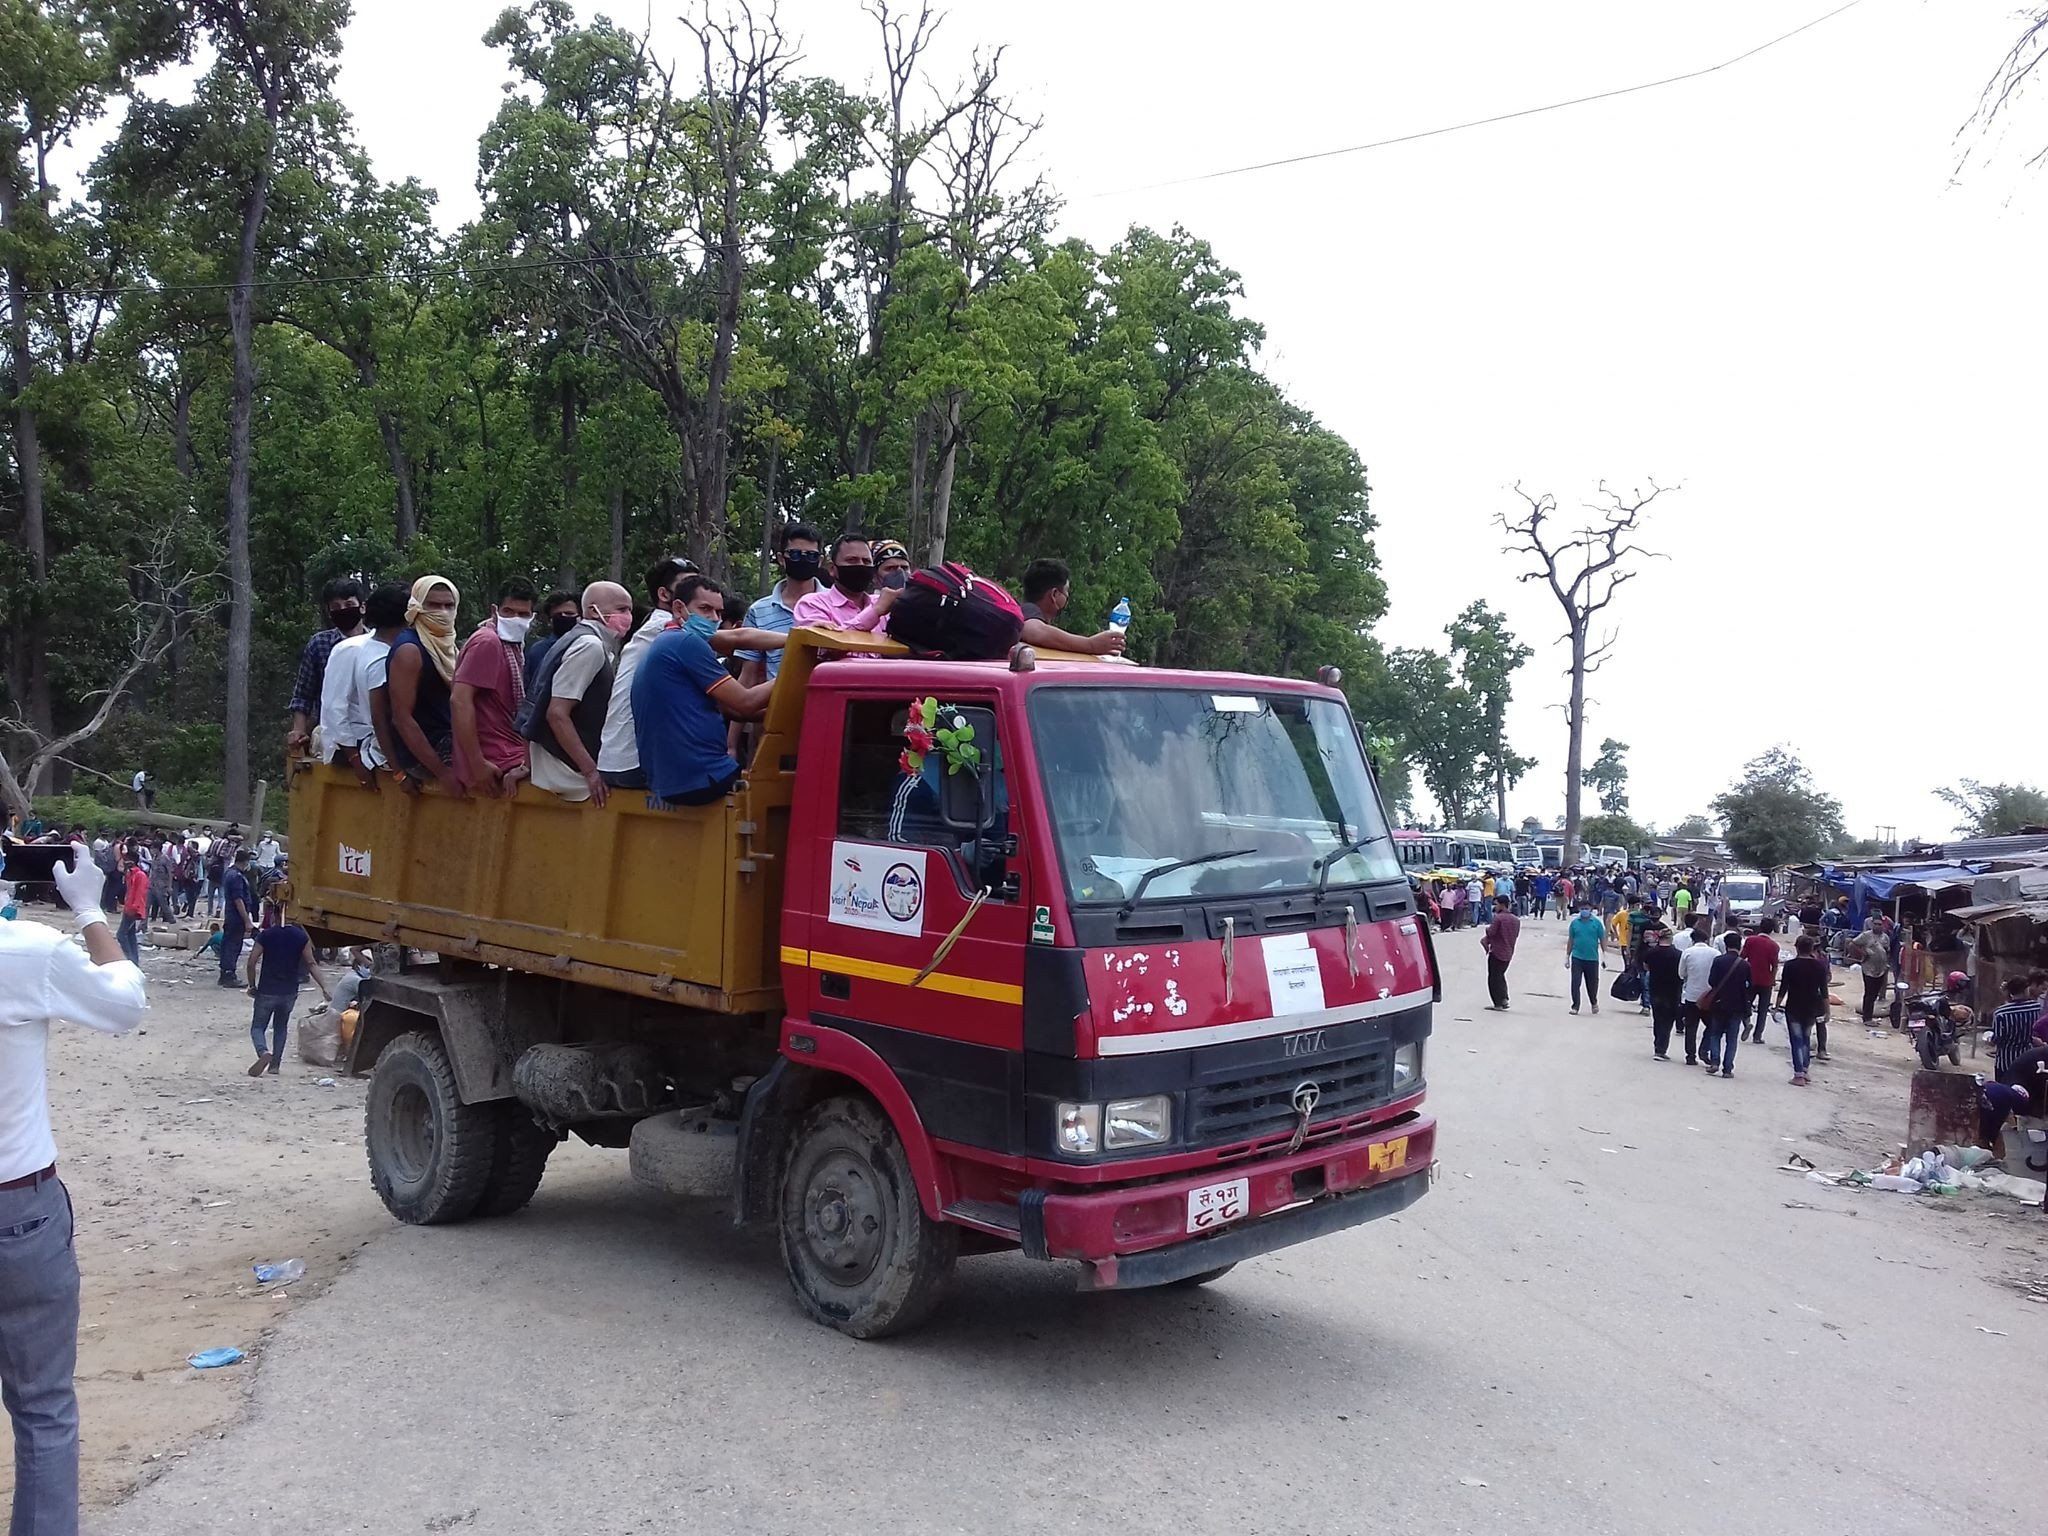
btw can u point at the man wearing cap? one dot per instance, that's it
(45, 977)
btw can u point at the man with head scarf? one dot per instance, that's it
(418, 672)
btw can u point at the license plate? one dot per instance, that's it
(1216, 1205)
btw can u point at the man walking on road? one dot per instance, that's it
(281, 957)
(1761, 950)
(1695, 966)
(1803, 994)
(134, 903)
(1728, 981)
(239, 916)
(1662, 985)
(1872, 954)
(1582, 944)
(45, 977)
(1499, 943)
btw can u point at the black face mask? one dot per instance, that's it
(800, 564)
(896, 580)
(562, 623)
(345, 619)
(855, 578)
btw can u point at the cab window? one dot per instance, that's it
(880, 803)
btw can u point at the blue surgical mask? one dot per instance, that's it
(701, 626)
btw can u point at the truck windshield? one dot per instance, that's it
(1138, 778)
(1744, 890)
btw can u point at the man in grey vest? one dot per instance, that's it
(571, 692)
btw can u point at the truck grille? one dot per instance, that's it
(1261, 1102)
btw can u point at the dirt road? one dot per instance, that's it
(1613, 1314)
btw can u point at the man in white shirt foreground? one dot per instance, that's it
(44, 976)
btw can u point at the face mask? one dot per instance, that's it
(437, 623)
(855, 578)
(620, 621)
(513, 629)
(800, 564)
(701, 625)
(562, 623)
(345, 619)
(895, 581)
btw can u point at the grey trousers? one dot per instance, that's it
(38, 1354)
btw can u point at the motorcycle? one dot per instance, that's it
(1937, 1021)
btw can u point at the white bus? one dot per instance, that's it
(1458, 848)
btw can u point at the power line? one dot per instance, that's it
(1477, 122)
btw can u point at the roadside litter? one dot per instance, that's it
(209, 1359)
(1947, 1170)
(283, 1273)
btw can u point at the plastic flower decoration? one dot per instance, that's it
(935, 727)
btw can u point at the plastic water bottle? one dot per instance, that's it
(1120, 615)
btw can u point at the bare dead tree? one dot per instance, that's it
(174, 593)
(2007, 84)
(1583, 570)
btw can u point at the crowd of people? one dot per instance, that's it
(609, 696)
(1468, 898)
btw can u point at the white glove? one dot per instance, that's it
(80, 886)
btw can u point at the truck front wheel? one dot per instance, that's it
(430, 1153)
(860, 1251)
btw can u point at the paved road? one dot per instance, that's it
(1668, 1336)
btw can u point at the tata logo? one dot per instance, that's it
(1307, 1043)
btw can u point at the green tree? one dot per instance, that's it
(1774, 815)
(1608, 777)
(1443, 731)
(1694, 825)
(1996, 810)
(1488, 657)
(1614, 829)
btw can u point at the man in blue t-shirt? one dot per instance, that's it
(238, 917)
(281, 959)
(682, 698)
(1582, 943)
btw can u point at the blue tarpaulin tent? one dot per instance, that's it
(1873, 885)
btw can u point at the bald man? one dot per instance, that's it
(576, 682)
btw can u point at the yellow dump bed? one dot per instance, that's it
(680, 905)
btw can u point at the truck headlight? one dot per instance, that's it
(1139, 1122)
(1408, 1065)
(1078, 1128)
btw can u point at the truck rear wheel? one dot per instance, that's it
(519, 1156)
(430, 1153)
(860, 1251)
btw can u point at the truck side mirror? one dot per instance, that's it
(967, 798)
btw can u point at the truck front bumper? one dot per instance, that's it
(1138, 1235)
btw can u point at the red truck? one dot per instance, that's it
(1107, 964)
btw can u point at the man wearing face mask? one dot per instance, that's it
(618, 758)
(557, 617)
(565, 710)
(682, 699)
(342, 601)
(488, 688)
(853, 581)
(776, 612)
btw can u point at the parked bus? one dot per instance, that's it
(1459, 849)
(1414, 850)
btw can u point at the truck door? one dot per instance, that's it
(890, 886)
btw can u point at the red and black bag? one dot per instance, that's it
(947, 610)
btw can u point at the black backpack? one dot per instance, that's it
(947, 610)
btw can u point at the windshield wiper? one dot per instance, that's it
(1348, 846)
(1161, 869)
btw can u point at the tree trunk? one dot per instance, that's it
(566, 576)
(914, 530)
(401, 471)
(30, 626)
(1575, 750)
(769, 515)
(942, 487)
(241, 415)
(618, 565)
(1500, 792)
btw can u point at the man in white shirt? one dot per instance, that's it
(267, 851)
(618, 753)
(44, 976)
(355, 670)
(570, 708)
(1694, 968)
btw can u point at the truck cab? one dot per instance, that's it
(1112, 965)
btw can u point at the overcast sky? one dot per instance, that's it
(1766, 287)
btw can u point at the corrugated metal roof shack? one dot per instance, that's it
(2011, 940)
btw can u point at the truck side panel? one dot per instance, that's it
(672, 904)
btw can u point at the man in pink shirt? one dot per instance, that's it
(841, 604)
(486, 691)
